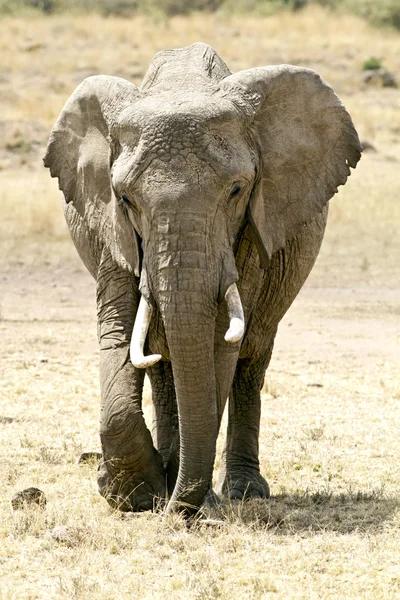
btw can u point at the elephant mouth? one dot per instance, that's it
(143, 317)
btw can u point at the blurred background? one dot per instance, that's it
(47, 47)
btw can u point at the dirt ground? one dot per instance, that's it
(336, 339)
(358, 323)
(329, 448)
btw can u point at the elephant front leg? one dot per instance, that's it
(240, 472)
(165, 428)
(131, 473)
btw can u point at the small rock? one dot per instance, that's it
(5, 420)
(32, 46)
(318, 385)
(69, 535)
(379, 77)
(61, 533)
(389, 80)
(86, 457)
(31, 495)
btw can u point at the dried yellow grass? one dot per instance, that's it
(331, 454)
(45, 58)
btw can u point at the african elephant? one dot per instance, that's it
(198, 202)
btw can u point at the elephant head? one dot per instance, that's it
(170, 173)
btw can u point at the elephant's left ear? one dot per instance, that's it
(80, 154)
(307, 144)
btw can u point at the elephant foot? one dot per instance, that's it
(212, 500)
(212, 503)
(128, 491)
(244, 484)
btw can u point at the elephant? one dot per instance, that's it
(198, 202)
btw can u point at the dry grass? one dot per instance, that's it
(331, 454)
(45, 59)
(329, 441)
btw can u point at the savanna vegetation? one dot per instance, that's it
(381, 12)
(329, 437)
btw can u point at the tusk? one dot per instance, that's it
(236, 316)
(139, 334)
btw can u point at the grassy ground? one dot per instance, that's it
(329, 435)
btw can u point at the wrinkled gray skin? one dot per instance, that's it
(174, 191)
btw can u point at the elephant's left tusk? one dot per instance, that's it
(139, 333)
(236, 316)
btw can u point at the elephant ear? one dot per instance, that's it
(307, 144)
(80, 154)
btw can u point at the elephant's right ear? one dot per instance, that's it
(79, 153)
(306, 144)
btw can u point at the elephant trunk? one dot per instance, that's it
(185, 268)
(190, 335)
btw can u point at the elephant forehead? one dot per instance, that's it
(188, 116)
(172, 131)
(192, 128)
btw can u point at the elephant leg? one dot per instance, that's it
(131, 473)
(165, 427)
(240, 473)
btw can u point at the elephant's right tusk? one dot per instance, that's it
(236, 315)
(139, 334)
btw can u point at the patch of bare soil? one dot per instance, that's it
(361, 322)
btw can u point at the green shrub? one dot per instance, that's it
(372, 64)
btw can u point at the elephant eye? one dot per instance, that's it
(125, 200)
(126, 203)
(235, 189)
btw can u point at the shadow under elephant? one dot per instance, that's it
(316, 512)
